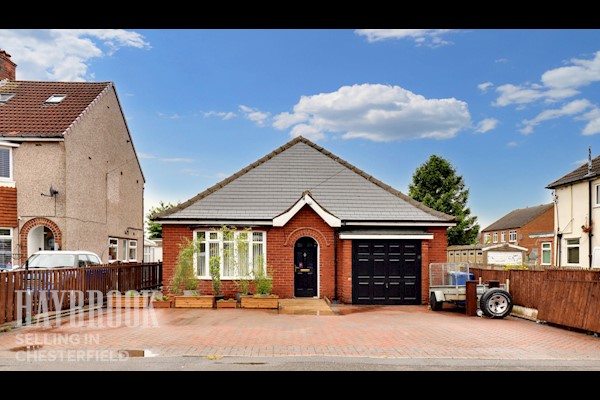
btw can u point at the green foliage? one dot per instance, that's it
(184, 270)
(161, 297)
(262, 281)
(521, 267)
(215, 274)
(243, 285)
(154, 229)
(436, 185)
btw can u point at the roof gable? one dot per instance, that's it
(518, 218)
(578, 174)
(27, 114)
(272, 185)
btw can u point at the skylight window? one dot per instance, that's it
(55, 99)
(4, 97)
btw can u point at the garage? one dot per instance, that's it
(386, 272)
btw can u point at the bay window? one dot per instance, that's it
(6, 247)
(236, 253)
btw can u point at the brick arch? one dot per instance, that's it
(32, 223)
(306, 231)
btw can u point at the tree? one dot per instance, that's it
(436, 184)
(155, 229)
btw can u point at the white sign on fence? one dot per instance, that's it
(504, 257)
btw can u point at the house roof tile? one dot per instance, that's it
(268, 187)
(518, 218)
(578, 174)
(26, 114)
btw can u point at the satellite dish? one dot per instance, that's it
(53, 192)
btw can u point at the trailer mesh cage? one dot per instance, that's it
(449, 274)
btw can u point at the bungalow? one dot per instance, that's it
(324, 227)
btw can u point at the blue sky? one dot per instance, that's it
(512, 110)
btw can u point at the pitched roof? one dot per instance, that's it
(26, 113)
(271, 185)
(518, 218)
(579, 174)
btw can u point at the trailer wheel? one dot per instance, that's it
(434, 303)
(496, 303)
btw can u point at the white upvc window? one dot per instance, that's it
(512, 236)
(113, 249)
(546, 253)
(598, 195)
(486, 237)
(573, 251)
(132, 250)
(6, 164)
(6, 247)
(495, 237)
(503, 236)
(124, 245)
(238, 253)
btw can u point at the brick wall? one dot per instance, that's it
(344, 250)
(280, 252)
(173, 235)
(8, 207)
(432, 251)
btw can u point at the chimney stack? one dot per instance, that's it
(8, 69)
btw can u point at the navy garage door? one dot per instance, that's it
(386, 272)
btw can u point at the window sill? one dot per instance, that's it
(7, 183)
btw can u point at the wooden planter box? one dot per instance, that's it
(162, 303)
(271, 301)
(226, 304)
(194, 301)
(124, 301)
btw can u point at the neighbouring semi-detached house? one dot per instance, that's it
(531, 228)
(324, 227)
(69, 174)
(577, 218)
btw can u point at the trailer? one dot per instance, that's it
(448, 284)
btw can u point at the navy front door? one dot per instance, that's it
(305, 267)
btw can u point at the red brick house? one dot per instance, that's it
(531, 227)
(324, 227)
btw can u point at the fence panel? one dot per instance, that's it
(67, 283)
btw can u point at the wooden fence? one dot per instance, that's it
(568, 297)
(45, 290)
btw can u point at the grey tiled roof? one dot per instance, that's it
(578, 174)
(518, 218)
(270, 186)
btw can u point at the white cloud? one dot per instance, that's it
(572, 108)
(427, 37)
(222, 175)
(255, 115)
(63, 54)
(221, 114)
(145, 156)
(176, 160)
(486, 125)
(485, 86)
(170, 116)
(375, 112)
(512, 144)
(190, 172)
(581, 73)
(580, 162)
(593, 125)
(556, 84)
(501, 60)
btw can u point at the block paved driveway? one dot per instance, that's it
(392, 332)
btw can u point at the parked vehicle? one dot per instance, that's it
(48, 259)
(447, 284)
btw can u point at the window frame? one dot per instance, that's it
(543, 250)
(570, 246)
(56, 98)
(10, 96)
(221, 244)
(512, 235)
(8, 178)
(597, 204)
(495, 237)
(10, 238)
(115, 246)
(486, 237)
(132, 245)
(503, 237)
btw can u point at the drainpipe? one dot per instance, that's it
(590, 234)
(335, 264)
